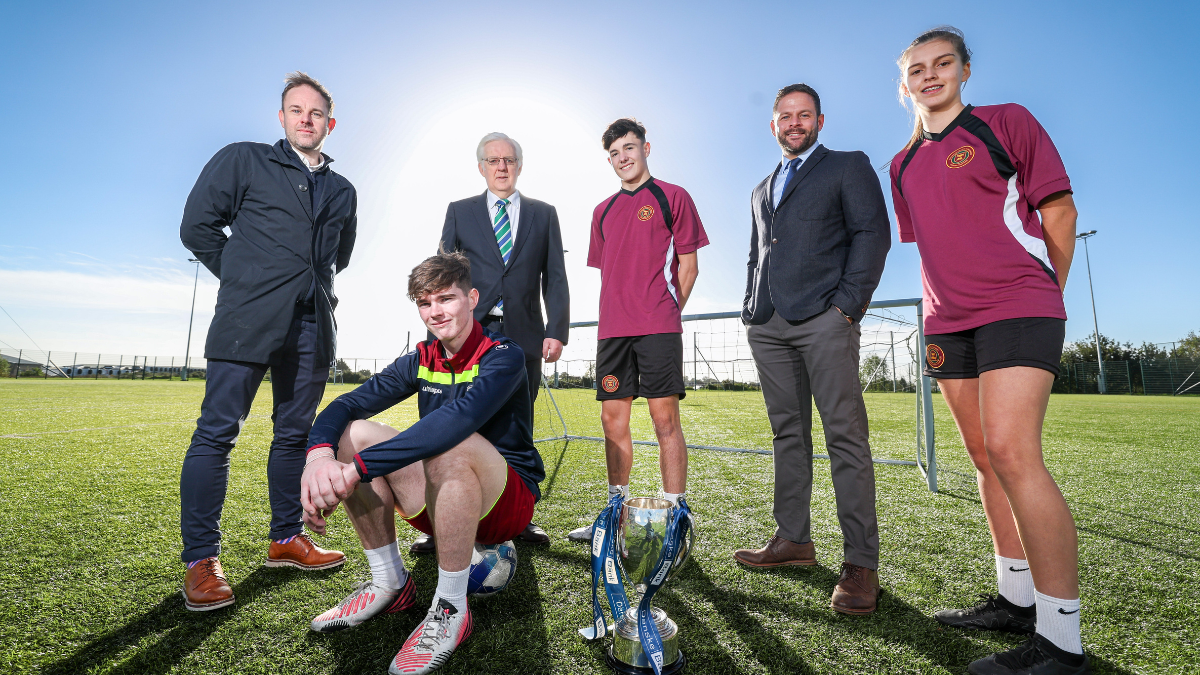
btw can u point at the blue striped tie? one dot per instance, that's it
(503, 232)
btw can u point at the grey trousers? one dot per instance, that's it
(817, 359)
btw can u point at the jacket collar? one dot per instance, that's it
(283, 153)
(462, 360)
(816, 156)
(484, 214)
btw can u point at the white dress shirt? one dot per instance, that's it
(304, 160)
(514, 210)
(777, 193)
(514, 213)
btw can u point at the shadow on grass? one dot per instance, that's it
(1136, 516)
(509, 635)
(704, 648)
(185, 631)
(1101, 533)
(894, 622)
(1135, 542)
(549, 482)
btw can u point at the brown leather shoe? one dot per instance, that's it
(857, 590)
(534, 535)
(424, 544)
(778, 552)
(205, 587)
(301, 551)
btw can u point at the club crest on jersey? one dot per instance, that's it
(934, 356)
(610, 382)
(646, 213)
(960, 157)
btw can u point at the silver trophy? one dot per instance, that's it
(641, 536)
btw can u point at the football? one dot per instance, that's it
(492, 567)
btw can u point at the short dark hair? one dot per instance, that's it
(799, 88)
(297, 78)
(621, 127)
(440, 272)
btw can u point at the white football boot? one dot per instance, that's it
(433, 641)
(367, 601)
(581, 534)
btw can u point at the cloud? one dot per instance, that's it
(126, 313)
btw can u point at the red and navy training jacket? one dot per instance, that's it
(482, 389)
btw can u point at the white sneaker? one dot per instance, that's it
(367, 601)
(582, 534)
(433, 641)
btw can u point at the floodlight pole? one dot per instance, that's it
(188, 350)
(1095, 325)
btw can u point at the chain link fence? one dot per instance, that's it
(64, 365)
(1172, 376)
(716, 358)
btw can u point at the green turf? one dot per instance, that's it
(89, 544)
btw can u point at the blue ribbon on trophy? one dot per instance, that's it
(647, 628)
(606, 565)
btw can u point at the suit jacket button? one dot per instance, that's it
(774, 241)
(303, 188)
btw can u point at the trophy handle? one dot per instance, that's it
(686, 553)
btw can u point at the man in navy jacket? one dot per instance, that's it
(818, 242)
(291, 223)
(467, 471)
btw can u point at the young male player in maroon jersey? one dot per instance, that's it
(644, 241)
(467, 471)
(968, 190)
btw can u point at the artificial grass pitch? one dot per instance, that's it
(90, 571)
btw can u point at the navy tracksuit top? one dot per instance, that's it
(482, 389)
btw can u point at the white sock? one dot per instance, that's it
(673, 497)
(452, 587)
(614, 489)
(1015, 581)
(1058, 622)
(387, 567)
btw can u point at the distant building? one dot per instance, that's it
(136, 369)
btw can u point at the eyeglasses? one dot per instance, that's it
(495, 161)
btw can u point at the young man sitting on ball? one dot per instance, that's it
(466, 472)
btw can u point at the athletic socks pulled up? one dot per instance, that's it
(452, 586)
(1058, 622)
(387, 567)
(669, 496)
(1014, 580)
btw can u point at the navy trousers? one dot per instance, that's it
(298, 383)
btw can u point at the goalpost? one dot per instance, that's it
(720, 372)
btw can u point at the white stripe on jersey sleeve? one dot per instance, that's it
(667, 271)
(1035, 246)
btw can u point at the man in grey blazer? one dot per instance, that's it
(515, 247)
(818, 243)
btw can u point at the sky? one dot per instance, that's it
(112, 111)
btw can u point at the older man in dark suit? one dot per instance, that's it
(516, 253)
(819, 240)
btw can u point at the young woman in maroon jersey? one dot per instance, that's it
(984, 194)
